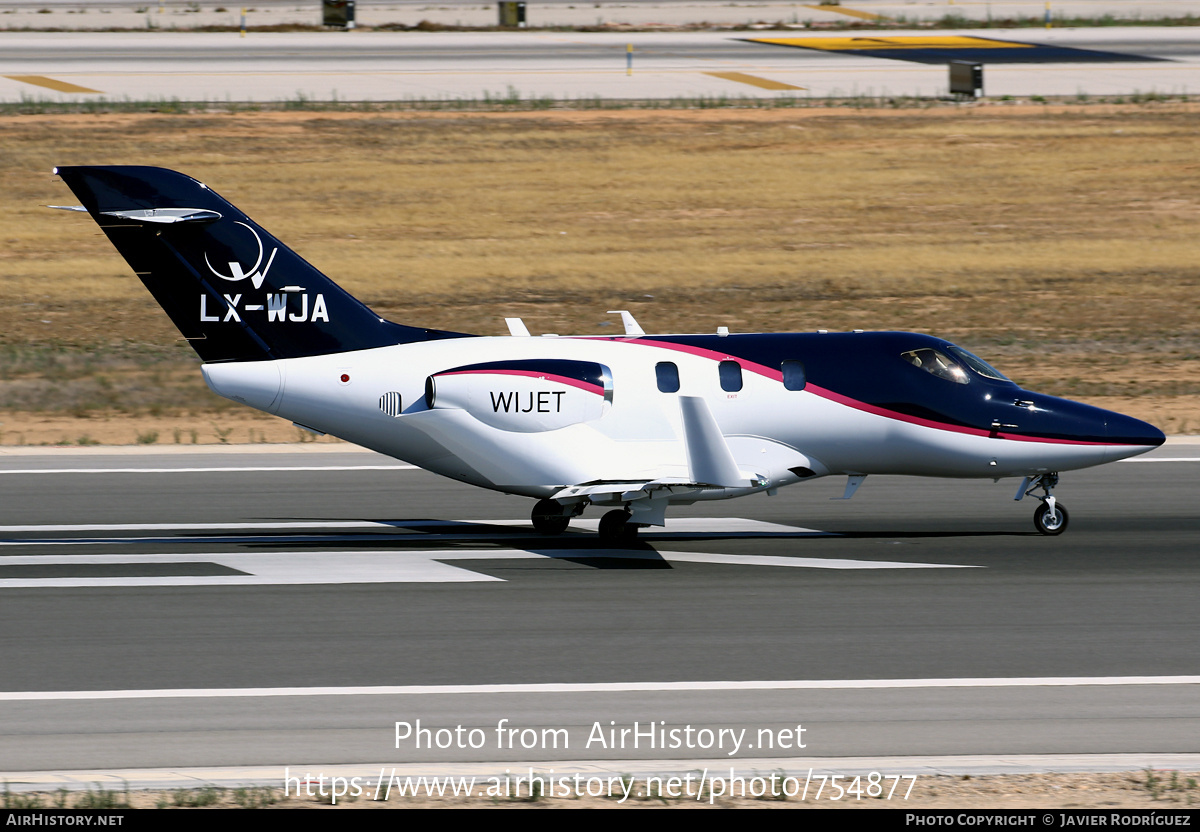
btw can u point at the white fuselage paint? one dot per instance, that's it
(639, 436)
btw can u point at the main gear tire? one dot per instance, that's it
(615, 528)
(548, 518)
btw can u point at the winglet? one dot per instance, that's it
(709, 459)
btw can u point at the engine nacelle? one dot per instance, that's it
(527, 396)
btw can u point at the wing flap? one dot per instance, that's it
(624, 491)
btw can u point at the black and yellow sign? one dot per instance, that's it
(940, 49)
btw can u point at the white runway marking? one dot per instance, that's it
(294, 568)
(602, 687)
(804, 563)
(396, 530)
(306, 568)
(266, 569)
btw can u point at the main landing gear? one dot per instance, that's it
(548, 518)
(1050, 518)
(616, 529)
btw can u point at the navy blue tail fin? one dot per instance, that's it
(234, 291)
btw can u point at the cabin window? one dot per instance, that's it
(937, 363)
(668, 377)
(793, 375)
(731, 376)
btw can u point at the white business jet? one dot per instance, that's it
(634, 422)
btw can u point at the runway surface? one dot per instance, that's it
(572, 66)
(269, 609)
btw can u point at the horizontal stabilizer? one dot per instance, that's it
(165, 216)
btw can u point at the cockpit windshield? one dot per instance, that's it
(938, 363)
(978, 364)
(950, 364)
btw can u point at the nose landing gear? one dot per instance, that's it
(1050, 518)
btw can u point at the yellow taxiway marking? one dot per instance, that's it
(753, 80)
(901, 42)
(51, 83)
(849, 12)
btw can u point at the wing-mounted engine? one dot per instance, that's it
(525, 396)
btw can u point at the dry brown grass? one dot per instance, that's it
(1059, 243)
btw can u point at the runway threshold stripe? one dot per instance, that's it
(235, 470)
(50, 83)
(599, 687)
(753, 80)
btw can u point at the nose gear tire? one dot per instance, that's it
(1050, 524)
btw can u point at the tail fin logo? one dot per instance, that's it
(235, 268)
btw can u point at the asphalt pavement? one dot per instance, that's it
(571, 67)
(235, 608)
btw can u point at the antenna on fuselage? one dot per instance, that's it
(517, 328)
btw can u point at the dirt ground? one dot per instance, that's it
(1058, 242)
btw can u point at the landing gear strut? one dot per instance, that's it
(1051, 517)
(548, 517)
(616, 529)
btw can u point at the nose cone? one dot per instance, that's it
(1130, 437)
(1081, 435)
